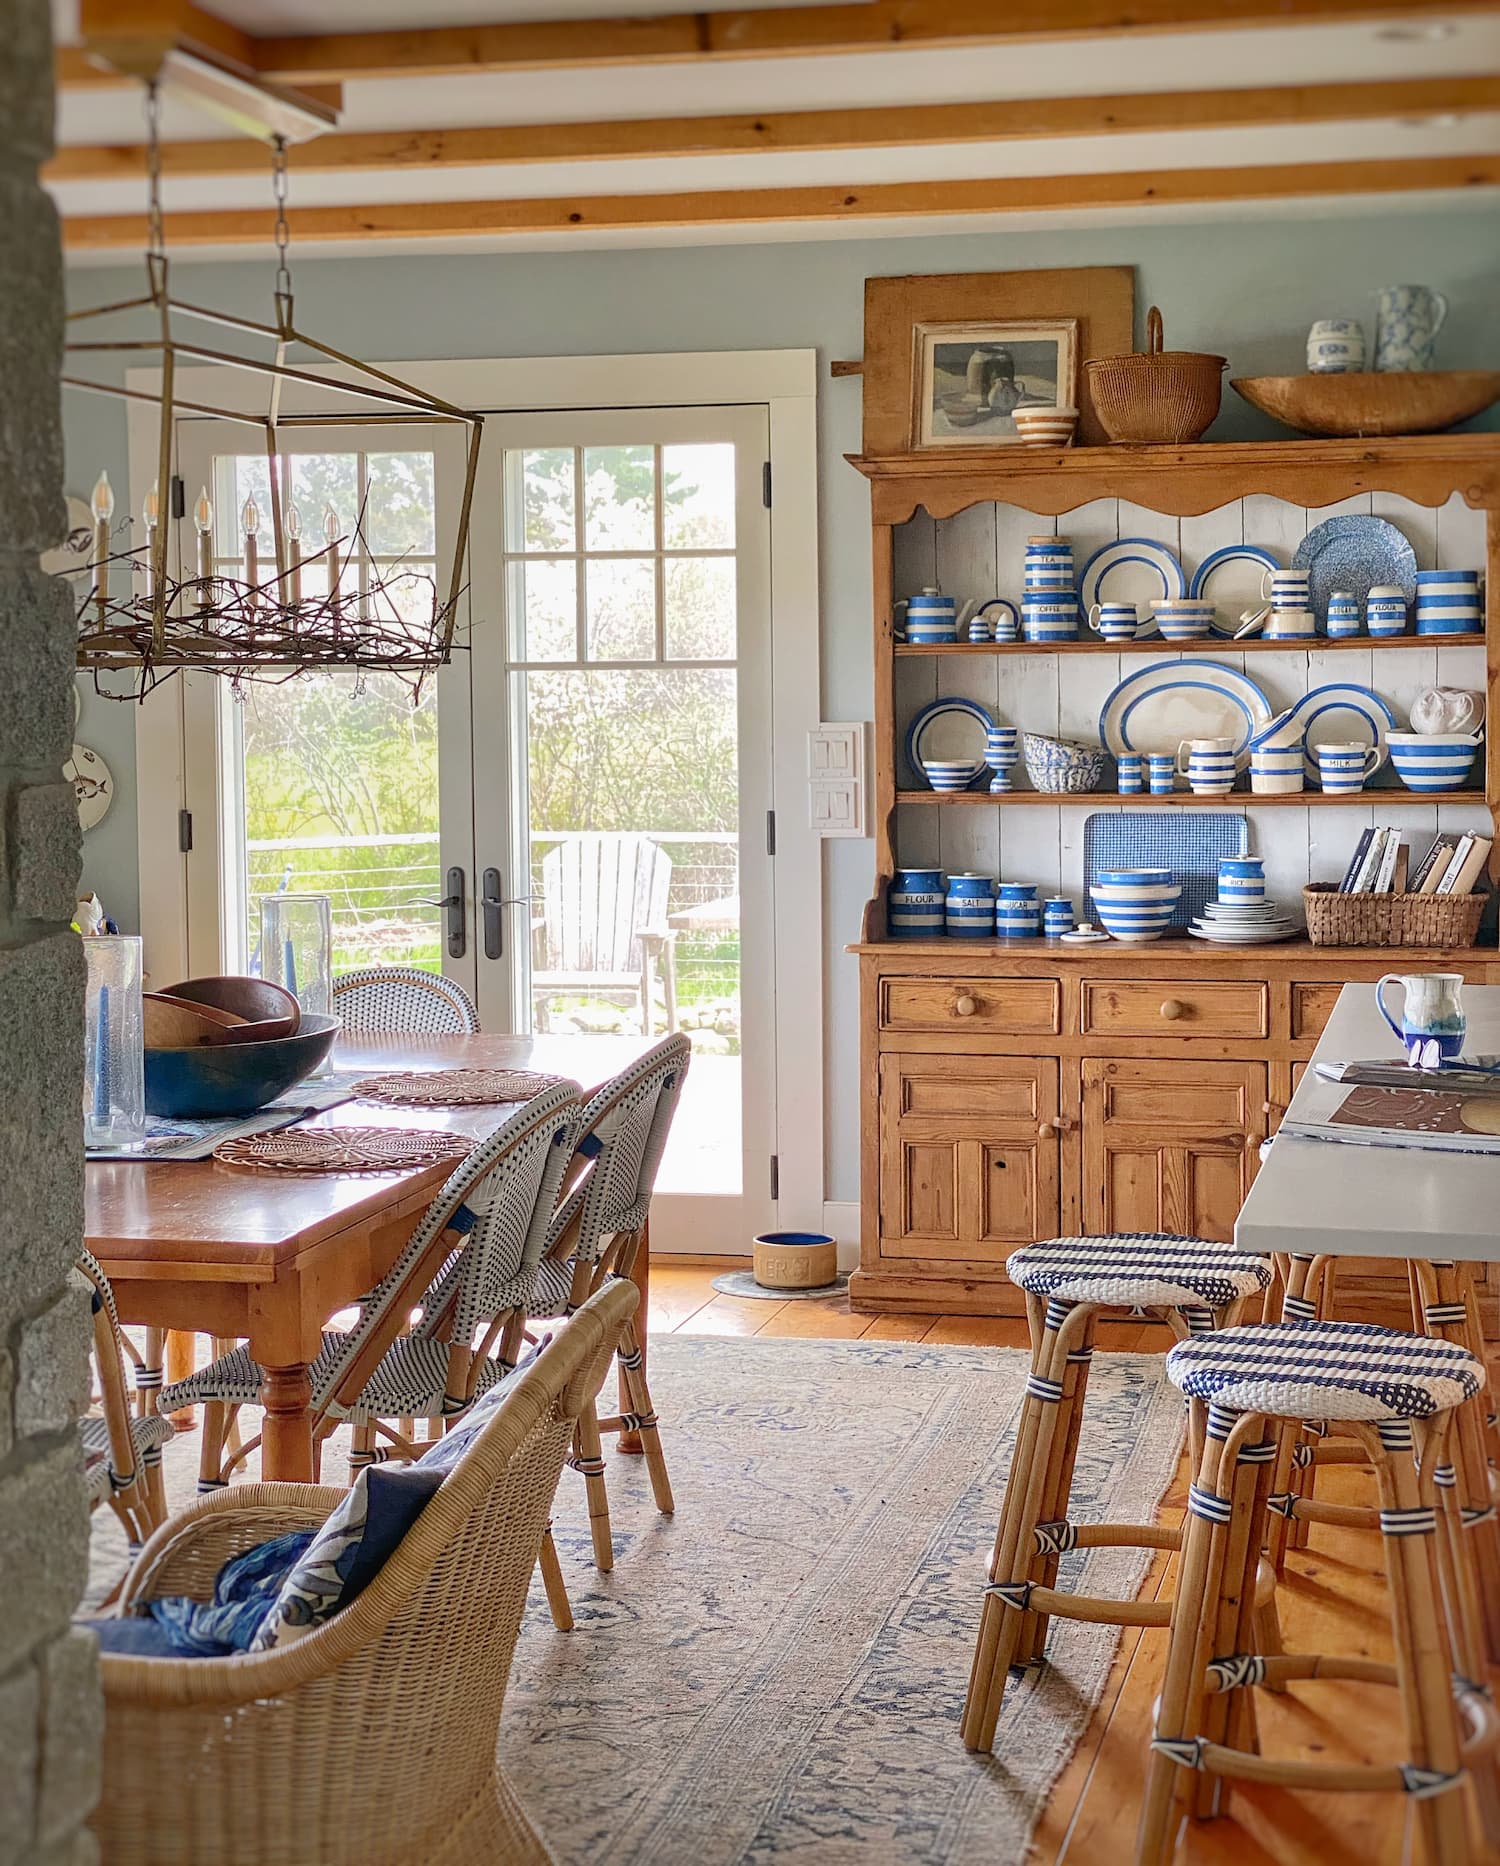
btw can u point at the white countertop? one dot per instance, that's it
(1318, 1195)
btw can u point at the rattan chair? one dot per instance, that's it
(402, 1001)
(121, 1448)
(372, 1740)
(486, 1227)
(597, 1230)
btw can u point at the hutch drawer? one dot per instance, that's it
(1145, 1007)
(1312, 1006)
(1009, 1007)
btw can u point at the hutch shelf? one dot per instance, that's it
(1013, 1090)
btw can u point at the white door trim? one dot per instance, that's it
(785, 382)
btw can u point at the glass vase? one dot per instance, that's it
(114, 1086)
(296, 945)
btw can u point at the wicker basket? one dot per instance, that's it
(1163, 395)
(1335, 919)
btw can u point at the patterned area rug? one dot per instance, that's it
(775, 1673)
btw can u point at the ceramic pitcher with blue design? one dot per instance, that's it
(1432, 1025)
(1407, 321)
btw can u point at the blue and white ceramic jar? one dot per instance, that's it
(1161, 773)
(931, 618)
(1385, 610)
(1242, 880)
(1132, 773)
(1343, 614)
(914, 904)
(1002, 753)
(1448, 602)
(1018, 913)
(1050, 618)
(1047, 565)
(969, 908)
(1057, 916)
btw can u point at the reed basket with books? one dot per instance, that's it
(1378, 904)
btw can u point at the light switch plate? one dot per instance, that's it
(836, 767)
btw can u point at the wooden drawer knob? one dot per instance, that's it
(965, 1006)
(1046, 1131)
(1172, 1008)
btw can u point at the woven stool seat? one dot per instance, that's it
(148, 1433)
(1138, 1269)
(1326, 1370)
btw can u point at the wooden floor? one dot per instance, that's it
(1331, 1601)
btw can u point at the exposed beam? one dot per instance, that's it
(912, 126)
(75, 70)
(131, 35)
(777, 32)
(419, 220)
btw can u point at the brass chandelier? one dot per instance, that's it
(142, 620)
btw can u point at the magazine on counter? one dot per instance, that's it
(1458, 1115)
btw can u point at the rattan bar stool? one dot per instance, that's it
(1396, 1394)
(1197, 1285)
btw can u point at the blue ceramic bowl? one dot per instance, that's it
(215, 1079)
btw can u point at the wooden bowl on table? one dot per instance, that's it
(260, 1010)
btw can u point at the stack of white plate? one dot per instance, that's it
(1248, 925)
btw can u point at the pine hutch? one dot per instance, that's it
(1017, 1090)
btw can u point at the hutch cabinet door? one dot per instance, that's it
(969, 1156)
(1170, 1144)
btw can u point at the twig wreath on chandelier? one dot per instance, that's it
(147, 619)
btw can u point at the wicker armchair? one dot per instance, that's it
(373, 1739)
(403, 1001)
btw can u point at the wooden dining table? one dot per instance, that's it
(269, 1258)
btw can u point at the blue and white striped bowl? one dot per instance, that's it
(1149, 898)
(949, 774)
(1435, 761)
(1132, 924)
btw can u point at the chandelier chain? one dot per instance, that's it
(156, 239)
(283, 231)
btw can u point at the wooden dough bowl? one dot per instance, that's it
(1373, 402)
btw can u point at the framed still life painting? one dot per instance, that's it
(969, 378)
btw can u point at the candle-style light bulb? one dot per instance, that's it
(250, 524)
(291, 524)
(103, 503)
(203, 518)
(151, 515)
(331, 531)
(104, 499)
(250, 518)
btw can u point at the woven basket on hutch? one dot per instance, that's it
(1158, 395)
(1335, 919)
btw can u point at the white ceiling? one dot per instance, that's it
(1160, 62)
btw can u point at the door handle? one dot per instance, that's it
(492, 899)
(452, 904)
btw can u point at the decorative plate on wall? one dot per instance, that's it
(1156, 709)
(1354, 552)
(948, 728)
(90, 777)
(1132, 570)
(1231, 578)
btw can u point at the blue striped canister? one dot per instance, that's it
(1057, 916)
(1242, 880)
(1132, 773)
(1343, 614)
(969, 909)
(1046, 560)
(1448, 602)
(1385, 610)
(1161, 773)
(1018, 913)
(1050, 618)
(914, 904)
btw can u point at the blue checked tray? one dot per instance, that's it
(1189, 842)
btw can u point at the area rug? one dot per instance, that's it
(775, 1673)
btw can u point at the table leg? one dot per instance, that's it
(181, 1355)
(286, 1447)
(640, 1275)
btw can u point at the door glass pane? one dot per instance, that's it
(400, 505)
(341, 798)
(620, 498)
(544, 604)
(546, 521)
(700, 618)
(622, 609)
(698, 496)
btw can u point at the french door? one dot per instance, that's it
(621, 695)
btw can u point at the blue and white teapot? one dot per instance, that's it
(933, 619)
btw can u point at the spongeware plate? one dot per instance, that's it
(1339, 714)
(1132, 570)
(949, 730)
(1156, 709)
(1231, 580)
(1354, 552)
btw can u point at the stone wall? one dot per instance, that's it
(49, 1692)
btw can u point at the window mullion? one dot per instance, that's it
(580, 561)
(659, 566)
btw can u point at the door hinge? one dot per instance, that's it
(770, 832)
(775, 1176)
(765, 485)
(178, 497)
(185, 832)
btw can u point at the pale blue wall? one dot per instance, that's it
(1249, 291)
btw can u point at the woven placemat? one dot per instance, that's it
(342, 1150)
(454, 1088)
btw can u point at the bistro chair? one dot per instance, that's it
(1198, 1286)
(402, 1001)
(1396, 1395)
(372, 1740)
(486, 1227)
(121, 1447)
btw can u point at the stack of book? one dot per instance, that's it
(1381, 864)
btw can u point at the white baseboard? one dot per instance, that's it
(841, 1221)
(693, 1226)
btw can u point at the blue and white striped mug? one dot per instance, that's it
(969, 907)
(1242, 880)
(1342, 769)
(914, 904)
(1132, 773)
(1018, 914)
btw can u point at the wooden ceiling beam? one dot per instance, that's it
(775, 32)
(928, 200)
(909, 127)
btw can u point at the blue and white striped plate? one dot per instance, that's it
(1231, 579)
(1155, 709)
(1132, 570)
(1341, 714)
(952, 729)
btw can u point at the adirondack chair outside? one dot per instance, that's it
(602, 931)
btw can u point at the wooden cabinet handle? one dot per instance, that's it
(1172, 1008)
(1046, 1131)
(965, 1006)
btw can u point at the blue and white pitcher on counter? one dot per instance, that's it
(1433, 1026)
